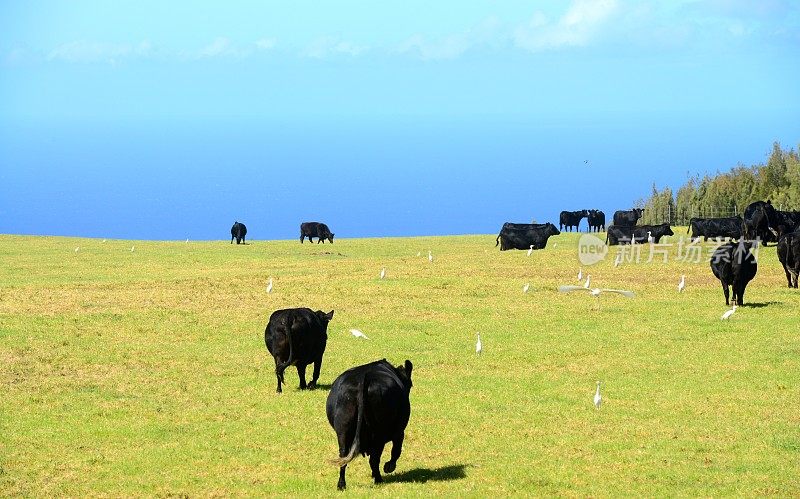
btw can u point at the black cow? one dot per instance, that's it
(369, 406)
(716, 227)
(760, 222)
(734, 264)
(297, 336)
(516, 226)
(656, 232)
(786, 222)
(627, 217)
(238, 231)
(524, 236)
(570, 219)
(619, 234)
(315, 229)
(789, 256)
(596, 220)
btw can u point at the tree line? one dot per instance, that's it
(727, 194)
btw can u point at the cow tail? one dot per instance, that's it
(283, 365)
(497, 241)
(354, 448)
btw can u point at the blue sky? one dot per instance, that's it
(118, 119)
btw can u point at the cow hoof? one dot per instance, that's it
(389, 467)
(341, 485)
(312, 385)
(378, 479)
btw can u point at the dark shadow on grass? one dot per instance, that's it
(760, 305)
(322, 386)
(422, 475)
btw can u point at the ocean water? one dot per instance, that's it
(167, 180)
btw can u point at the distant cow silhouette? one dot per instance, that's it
(238, 231)
(315, 229)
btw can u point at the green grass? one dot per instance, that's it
(145, 373)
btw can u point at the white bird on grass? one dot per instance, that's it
(419, 253)
(187, 239)
(77, 249)
(682, 284)
(597, 398)
(727, 315)
(596, 291)
(526, 287)
(530, 250)
(383, 272)
(588, 280)
(580, 273)
(479, 345)
(104, 240)
(133, 248)
(430, 256)
(269, 286)
(358, 334)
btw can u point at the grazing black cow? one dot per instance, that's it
(523, 236)
(516, 226)
(597, 221)
(656, 232)
(619, 234)
(789, 256)
(716, 227)
(368, 406)
(760, 222)
(297, 336)
(315, 229)
(734, 264)
(570, 219)
(238, 231)
(627, 217)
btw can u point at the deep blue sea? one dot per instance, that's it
(391, 177)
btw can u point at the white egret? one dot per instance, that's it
(530, 250)
(187, 239)
(727, 315)
(588, 280)
(269, 286)
(133, 248)
(383, 272)
(358, 334)
(479, 345)
(597, 398)
(596, 291)
(682, 284)
(650, 238)
(430, 256)
(580, 273)
(104, 240)
(526, 287)
(419, 253)
(77, 249)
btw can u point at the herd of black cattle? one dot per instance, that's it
(368, 406)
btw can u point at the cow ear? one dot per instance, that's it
(409, 366)
(329, 315)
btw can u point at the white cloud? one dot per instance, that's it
(266, 44)
(326, 46)
(487, 33)
(577, 27)
(88, 52)
(221, 47)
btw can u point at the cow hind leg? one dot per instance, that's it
(375, 462)
(301, 372)
(726, 293)
(397, 448)
(344, 449)
(315, 375)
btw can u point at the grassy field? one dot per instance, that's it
(145, 373)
